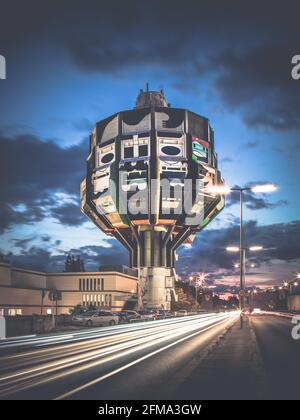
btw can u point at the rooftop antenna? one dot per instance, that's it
(147, 87)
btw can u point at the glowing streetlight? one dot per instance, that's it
(255, 248)
(232, 248)
(295, 283)
(285, 284)
(198, 279)
(251, 248)
(266, 188)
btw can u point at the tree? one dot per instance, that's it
(73, 264)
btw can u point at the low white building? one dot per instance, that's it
(27, 292)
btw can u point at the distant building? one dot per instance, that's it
(27, 292)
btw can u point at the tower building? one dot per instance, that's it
(149, 170)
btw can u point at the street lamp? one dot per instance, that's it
(252, 248)
(198, 281)
(255, 248)
(222, 190)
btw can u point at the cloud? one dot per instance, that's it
(68, 214)
(41, 258)
(258, 83)
(32, 171)
(114, 38)
(84, 124)
(252, 201)
(22, 243)
(207, 253)
(281, 253)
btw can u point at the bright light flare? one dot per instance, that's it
(255, 248)
(264, 188)
(218, 189)
(232, 248)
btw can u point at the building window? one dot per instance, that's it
(143, 150)
(80, 284)
(49, 311)
(98, 284)
(102, 284)
(128, 152)
(11, 312)
(95, 287)
(1, 312)
(83, 284)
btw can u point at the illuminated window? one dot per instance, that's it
(49, 311)
(11, 312)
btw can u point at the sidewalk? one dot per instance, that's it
(230, 369)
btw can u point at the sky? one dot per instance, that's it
(73, 63)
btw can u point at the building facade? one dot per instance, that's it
(149, 174)
(27, 292)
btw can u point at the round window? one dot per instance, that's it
(170, 150)
(107, 158)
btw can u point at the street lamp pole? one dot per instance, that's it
(221, 189)
(242, 253)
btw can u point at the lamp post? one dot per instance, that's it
(198, 281)
(242, 252)
(223, 190)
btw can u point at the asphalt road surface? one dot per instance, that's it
(135, 361)
(180, 358)
(280, 355)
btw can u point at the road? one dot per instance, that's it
(204, 356)
(280, 355)
(135, 361)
